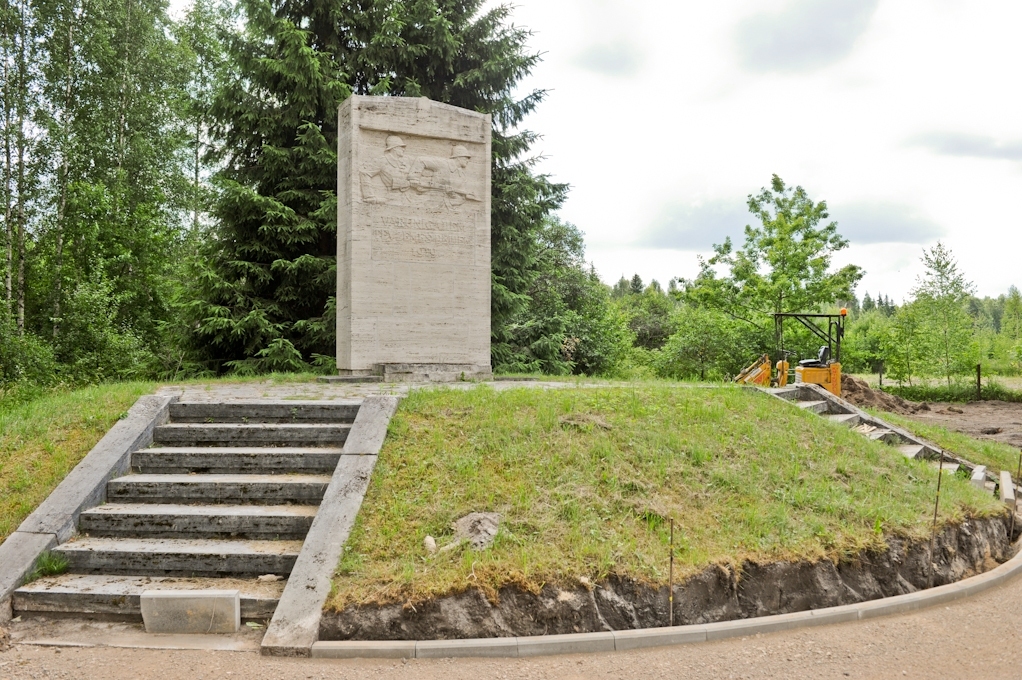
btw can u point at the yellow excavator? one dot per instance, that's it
(824, 370)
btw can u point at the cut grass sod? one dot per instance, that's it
(587, 479)
(995, 455)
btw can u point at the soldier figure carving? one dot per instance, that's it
(441, 182)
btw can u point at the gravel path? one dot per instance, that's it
(974, 638)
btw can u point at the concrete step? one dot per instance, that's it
(819, 407)
(914, 451)
(886, 436)
(239, 460)
(240, 434)
(846, 419)
(164, 556)
(264, 412)
(198, 521)
(209, 489)
(119, 595)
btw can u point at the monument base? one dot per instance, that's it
(395, 373)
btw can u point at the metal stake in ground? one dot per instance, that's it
(1014, 503)
(936, 505)
(670, 580)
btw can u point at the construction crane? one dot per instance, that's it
(824, 370)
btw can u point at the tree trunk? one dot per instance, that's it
(65, 170)
(22, 189)
(8, 174)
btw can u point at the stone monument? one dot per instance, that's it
(413, 240)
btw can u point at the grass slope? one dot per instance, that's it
(41, 440)
(995, 455)
(743, 476)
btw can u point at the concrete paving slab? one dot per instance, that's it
(357, 649)
(191, 612)
(485, 647)
(1007, 489)
(573, 643)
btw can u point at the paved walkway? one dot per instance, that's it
(974, 638)
(316, 391)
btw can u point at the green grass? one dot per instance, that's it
(42, 439)
(744, 476)
(47, 564)
(995, 455)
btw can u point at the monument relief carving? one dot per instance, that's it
(428, 182)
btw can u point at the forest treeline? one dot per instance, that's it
(168, 202)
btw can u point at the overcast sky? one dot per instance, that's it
(904, 115)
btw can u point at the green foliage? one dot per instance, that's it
(784, 265)
(47, 564)
(569, 325)
(267, 277)
(649, 313)
(706, 344)
(948, 329)
(961, 390)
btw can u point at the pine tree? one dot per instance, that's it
(267, 281)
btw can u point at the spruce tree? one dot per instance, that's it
(267, 278)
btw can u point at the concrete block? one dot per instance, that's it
(371, 649)
(757, 626)
(894, 605)
(194, 612)
(478, 647)
(226, 460)
(85, 486)
(370, 427)
(979, 477)
(17, 557)
(1007, 489)
(573, 643)
(658, 637)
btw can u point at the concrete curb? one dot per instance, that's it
(662, 637)
(295, 624)
(54, 521)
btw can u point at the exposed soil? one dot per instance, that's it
(858, 392)
(996, 420)
(715, 594)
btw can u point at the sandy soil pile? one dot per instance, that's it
(861, 394)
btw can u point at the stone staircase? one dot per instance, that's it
(225, 495)
(817, 400)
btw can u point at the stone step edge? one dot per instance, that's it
(611, 641)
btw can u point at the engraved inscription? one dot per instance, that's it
(428, 182)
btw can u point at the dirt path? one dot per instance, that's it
(974, 638)
(997, 420)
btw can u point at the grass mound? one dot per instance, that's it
(587, 478)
